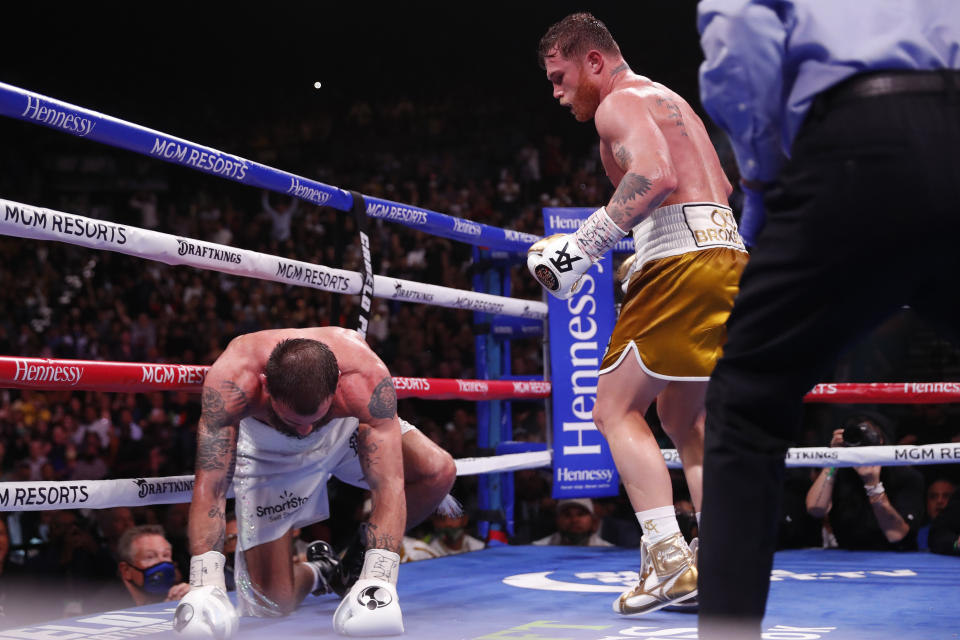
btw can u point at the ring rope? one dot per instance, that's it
(103, 494)
(100, 375)
(84, 123)
(142, 377)
(38, 495)
(26, 221)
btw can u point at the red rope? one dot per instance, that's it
(96, 375)
(91, 375)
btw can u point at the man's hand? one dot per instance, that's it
(206, 612)
(177, 591)
(371, 608)
(558, 263)
(837, 439)
(869, 474)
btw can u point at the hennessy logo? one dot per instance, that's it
(563, 260)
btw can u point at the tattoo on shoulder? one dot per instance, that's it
(236, 398)
(383, 401)
(622, 156)
(218, 411)
(673, 112)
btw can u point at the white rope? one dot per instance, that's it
(27, 221)
(506, 462)
(887, 456)
(103, 494)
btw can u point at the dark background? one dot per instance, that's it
(183, 70)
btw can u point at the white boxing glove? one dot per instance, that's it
(559, 261)
(558, 264)
(371, 607)
(206, 612)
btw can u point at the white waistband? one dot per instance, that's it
(685, 227)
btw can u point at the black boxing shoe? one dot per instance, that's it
(320, 554)
(351, 562)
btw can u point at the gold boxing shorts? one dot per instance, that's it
(674, 315)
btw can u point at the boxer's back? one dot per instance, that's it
(696, 165)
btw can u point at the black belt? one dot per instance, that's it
(886, 83)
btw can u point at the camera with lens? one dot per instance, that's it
(862, 433)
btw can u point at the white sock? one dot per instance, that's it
(658, 523)
(316, 575)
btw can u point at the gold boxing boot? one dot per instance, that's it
(668, 575)
(690, 605)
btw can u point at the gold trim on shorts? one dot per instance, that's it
(675, 312)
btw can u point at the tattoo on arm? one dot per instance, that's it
(376, 540)
(216, 537)
(216, 450)
(214, 414)
(383, 402)
(632, 186)
(366, 449)
(627, 201)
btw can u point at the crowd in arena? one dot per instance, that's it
(65, 302)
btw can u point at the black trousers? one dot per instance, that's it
(867, 219)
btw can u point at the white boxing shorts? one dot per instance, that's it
(280, 483)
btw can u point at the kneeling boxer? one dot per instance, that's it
(282, 411)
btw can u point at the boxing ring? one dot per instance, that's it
(554, 593)
(518, 592)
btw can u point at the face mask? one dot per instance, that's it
(575, 539)
(450, 533)
(158, 579)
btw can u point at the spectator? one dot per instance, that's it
(618, 521)
(945, 529)
(280, 216)
(147, 572)
(869, 507)
(175, 520)
(450, 535)
(113, 523)
(38, 457)
(93, 423)
(938, 496)
(18, 594)
(577, 525)
(90, 464)
(534, 518)
(68, 559)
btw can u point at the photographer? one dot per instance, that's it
(869, 507)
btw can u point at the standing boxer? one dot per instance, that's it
(671, 191)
